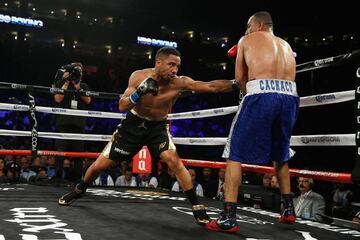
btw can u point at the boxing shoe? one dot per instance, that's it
(287, 216)
(223, 224)
(70, 197)
(226, 221)
(200, 215)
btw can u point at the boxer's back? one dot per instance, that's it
(268, 57)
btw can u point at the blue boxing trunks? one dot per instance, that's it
(262, 127)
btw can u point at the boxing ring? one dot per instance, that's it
(31, 211)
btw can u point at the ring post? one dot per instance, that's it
(33, 124)
(355, 175)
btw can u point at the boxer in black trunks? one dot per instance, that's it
(150, 94)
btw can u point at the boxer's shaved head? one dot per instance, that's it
(265, 18)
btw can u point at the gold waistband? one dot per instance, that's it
(145, 118)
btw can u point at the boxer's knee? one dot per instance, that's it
(173, 161)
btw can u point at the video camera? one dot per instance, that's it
(75, 74)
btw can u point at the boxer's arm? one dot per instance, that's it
(215, 86)
(125, 103)
(241, 70)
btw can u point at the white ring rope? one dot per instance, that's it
(302, 140)
(203, 113)
(327, 98)
(63, 111)
(314, 100)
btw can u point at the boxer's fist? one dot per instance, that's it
(149, 85)
(232, 52)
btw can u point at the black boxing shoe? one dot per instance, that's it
(70, 197)
(200, 215)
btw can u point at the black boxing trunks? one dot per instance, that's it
(133, 133)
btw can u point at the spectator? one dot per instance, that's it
(51, 168)
(208, 183)
(266, 180)
(42, 173)
(274, 182)
(309, 204)
(36, 164)
(198, 188)
(25, 172)
(147, 180)
(9, 159)
(124, 165)
(12, 175)
(342, 196)
(221, 181)
(3, 178)
(126, 180)
(104, 179)
(114, 171)
(13, 172)
(41, 176)
(43, 160)
(340, 205)
(68, 172)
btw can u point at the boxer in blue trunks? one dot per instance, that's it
(265, 70)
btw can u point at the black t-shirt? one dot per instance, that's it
(78, 104)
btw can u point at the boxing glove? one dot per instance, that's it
(234, 84)
(149, 85)
(232, 52)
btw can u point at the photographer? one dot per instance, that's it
(69, 77)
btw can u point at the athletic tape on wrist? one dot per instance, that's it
(134, 97)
